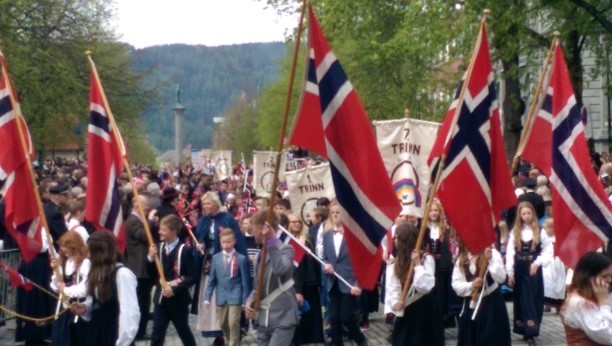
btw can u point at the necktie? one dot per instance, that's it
(228, 258)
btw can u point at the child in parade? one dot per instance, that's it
(74, 267)
(342, 299)
(307, 277)
(418, 319)
(172, 301)
(439, 248)
(230, 278)
(523, 265)
(586, 312)
(491, 325)
(278, 314)
(111, 306)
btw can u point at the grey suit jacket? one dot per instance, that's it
(283, 310)
(136, 247)
(233, 291)
(341, 263)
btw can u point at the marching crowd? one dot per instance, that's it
(209, 235)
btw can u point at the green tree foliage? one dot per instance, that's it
(211, 80)
(238, 129)
(44, 42)
(410, 54)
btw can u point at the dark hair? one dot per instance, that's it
(260, 218)
(588, 267)
(172, 222)
(323, 202)
(321, 212)
(283, 203)
(104, 255)
(283, 220)
(406, 235)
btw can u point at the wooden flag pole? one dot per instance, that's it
(535, 101)
(436, 184)
(281, 144)
(115, 130)
(24, 147)
(484, 263)
(421, 236)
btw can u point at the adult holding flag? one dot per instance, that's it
(556, 144)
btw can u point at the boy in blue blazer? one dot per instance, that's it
(229, 274)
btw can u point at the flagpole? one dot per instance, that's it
(313, 255)
(484, 262)
(143, 217)
(24, 147)
(281, 144)
(436, 184)
(534, 102)
(468, 75)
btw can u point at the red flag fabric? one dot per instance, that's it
(475, 183)
(22, 217)
(333, 123)
(106, 151)
(556, 144)
(298, 251)
(17, 280)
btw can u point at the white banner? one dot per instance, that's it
(306, 185)
(264, 163)
(405, 145)
(222, 159)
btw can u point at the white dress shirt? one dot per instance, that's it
(595, 321)
(464, 288)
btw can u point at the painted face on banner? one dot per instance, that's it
(405, 181)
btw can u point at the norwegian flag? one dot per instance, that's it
(475, 183)
(17, 280)
(332, 122)
(557, 145)
(22, 216)
(106, 151)
(298, 249)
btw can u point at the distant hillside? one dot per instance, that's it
(211, 80)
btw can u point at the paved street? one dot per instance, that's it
(551, 333)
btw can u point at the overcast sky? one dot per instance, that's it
(144, 23)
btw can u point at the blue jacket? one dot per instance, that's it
(230, 290)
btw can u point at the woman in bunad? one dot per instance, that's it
(491, 325)
(418, 319)
(307, 277)
(523, 265)
(586, 312)
(111, 306)
(74, 267)
(207, 233)
(439, 248)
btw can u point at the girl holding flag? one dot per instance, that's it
(491, 325)
(419, 320)
(74, 266)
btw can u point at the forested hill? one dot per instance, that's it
(211, 79)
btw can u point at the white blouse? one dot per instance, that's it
(527, 235)
(463, 288)
(423, 282)
(79, 289)
(595, 321)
